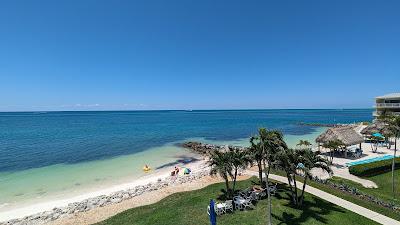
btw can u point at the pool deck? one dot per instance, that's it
(340, 168)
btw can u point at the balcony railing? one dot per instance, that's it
(388, 105)
(376, 114)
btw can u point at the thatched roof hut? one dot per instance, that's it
(345, 134)
(376, 127)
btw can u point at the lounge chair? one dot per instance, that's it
(273, 189)
(229, 206)
(242, 203)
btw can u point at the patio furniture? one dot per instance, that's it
(229, 205)
(220, 208)
(272, 189)
(242, 203)
(238, 200)
(253, 196)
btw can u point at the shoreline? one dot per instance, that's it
(43, 210)
(53, 210)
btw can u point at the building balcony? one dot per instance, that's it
(378, 113)
(387, 105)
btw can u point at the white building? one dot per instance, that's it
(389, 103)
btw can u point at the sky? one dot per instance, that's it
(139, 55)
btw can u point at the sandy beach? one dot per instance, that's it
(197, 167)
(102, 213)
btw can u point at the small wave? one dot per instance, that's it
(4, 205)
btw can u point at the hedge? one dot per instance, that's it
(374, 168)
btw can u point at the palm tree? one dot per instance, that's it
(333, 145)
(310, 160)
(393, 125)
(256, 154)
(239, 159)
(291, 161)
(270, 142)
(288, 160)
(304, 143)
(220, 163)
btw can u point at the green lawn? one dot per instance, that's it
(383, 191)
(384, 182)
(190, 208)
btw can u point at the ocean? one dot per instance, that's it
(53, 155)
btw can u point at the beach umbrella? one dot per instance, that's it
(213, 216)
(300, 166)
(186, 171)
(378, 135)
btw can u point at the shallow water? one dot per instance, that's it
(62, 154)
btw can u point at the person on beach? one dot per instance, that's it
(175, 172)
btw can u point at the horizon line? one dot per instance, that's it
(144, 110)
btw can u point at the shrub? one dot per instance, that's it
(374, 168)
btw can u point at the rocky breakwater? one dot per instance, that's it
(104, 200)
(205, 149)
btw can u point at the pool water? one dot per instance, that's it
(375, 159)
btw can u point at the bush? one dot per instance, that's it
(374, 168)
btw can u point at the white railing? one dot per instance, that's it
(388, 105)
(376, 114)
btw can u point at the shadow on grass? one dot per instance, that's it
(313, 207)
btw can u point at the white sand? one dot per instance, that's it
(49, 205)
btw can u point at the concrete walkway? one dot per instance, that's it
(379, 218)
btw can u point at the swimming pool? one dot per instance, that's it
(380, 158)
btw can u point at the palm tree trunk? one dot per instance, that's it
(234, 180)
(227, 185)
(393, 167)
(295, 189)
(260, 173)
(302, 191)
(268, 193)
(290, 185)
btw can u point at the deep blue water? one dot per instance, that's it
(31, 139)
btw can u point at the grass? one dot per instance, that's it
(384, 182)
(384, 191)
(189, 208)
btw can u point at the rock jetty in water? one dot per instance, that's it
(205, 149)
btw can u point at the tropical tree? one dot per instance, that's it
(304, 144)
(264, 147)
(287, 160)
(393, 124)
(256, 155)
(308, 161)
(239, 159)
(333, 145)
(220, 163)
(293, 161)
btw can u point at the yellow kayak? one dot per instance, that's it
(146, 169)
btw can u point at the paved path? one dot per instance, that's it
(379, 218)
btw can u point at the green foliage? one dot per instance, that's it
(220, 163)
(226, 164)
(374, 168)
(189, 208)
(301, 160)
(304, 144)
(333, 145)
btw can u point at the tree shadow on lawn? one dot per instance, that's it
(312, 208)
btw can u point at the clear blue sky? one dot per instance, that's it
(96, 55)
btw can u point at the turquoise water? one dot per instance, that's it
(375, 159)
(55, 155)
